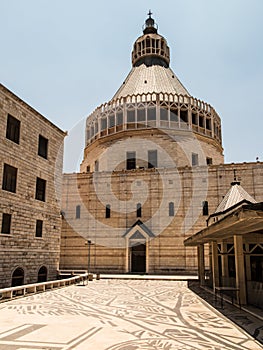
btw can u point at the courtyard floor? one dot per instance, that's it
(113, 314)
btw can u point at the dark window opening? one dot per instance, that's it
(205, 208)
(13, 129)
(174, 115)
(139, 210)
(40, 189)
(209, 161)
(39, 228)
(42, 146)
(96, 165)
(18, 277)
(6, 223)
(195, 159)
(88, 169)
(9, 178)
(130, 160)
(194, 119)
(184, 115)
(208, 124)
(201, 121)
(152, 159)
(256, 263)
(78, 212)
(107, 212)
(171, 209)
(42, 274)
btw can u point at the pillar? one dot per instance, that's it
(201, 264)
(215, 269)
(224, 260)
(240, 269)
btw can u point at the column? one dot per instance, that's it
(147, 256)
(240, 269)
(201, 264)
(127, 256)
(224, 260)
(215, 270)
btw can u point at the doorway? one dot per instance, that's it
(138, 258)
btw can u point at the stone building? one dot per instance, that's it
(153, 171)
(31, 173)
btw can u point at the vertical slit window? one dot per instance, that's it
(40, 189)
(171, 209)
(205, 208)
(39, 228)
(107, 212)
(42, 146)
(139, 210)
(195, 160)
(78, 212)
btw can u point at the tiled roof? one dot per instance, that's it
(235, 195)
(155, 78)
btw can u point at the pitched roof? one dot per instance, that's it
(235, 195)
(143, 79)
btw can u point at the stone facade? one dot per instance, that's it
(32, 147)
(187, 187)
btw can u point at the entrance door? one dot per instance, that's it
(138, 258)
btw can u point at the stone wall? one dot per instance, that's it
(186, 187)
(21, 248)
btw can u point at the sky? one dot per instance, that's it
(65, 58)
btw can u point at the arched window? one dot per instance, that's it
(171, 209)
(205, 208)
(18, 277)
(42, 274)
(78, 212)
(139, 210)
(107, 213)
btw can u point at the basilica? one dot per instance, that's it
(153, 172)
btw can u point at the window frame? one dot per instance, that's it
(39, 228)
(9, 182)
(40, 192)
(42, 146)
(6, 222)
(13, 126)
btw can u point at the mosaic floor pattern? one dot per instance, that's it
(118, 315)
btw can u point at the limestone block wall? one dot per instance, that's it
(186, 187)
(21, 248)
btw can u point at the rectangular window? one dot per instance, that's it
(130, 160)
(205, 208)
(6, 223)
(131, 116)
(13, 129)
(151, 113)
(152, 159)
(139, 210)
(9, 178)
(42, 146)
(119, 118)
(107, 213)
(78, 212)
(96, 165)
(39, 228)
(164, 114)
(140, 115)
(40, 189)
(111, 120)
(171, 209)
(174, 115)
(195, 159)
(209, 161)
(103, 124)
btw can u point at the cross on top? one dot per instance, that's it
(150, 13)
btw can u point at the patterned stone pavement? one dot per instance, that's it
(118, 315)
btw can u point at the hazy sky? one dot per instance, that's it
(65, 58)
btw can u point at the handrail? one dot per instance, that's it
(26, 289)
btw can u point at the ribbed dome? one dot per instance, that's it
(155, 78)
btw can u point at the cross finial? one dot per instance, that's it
(150, 13)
